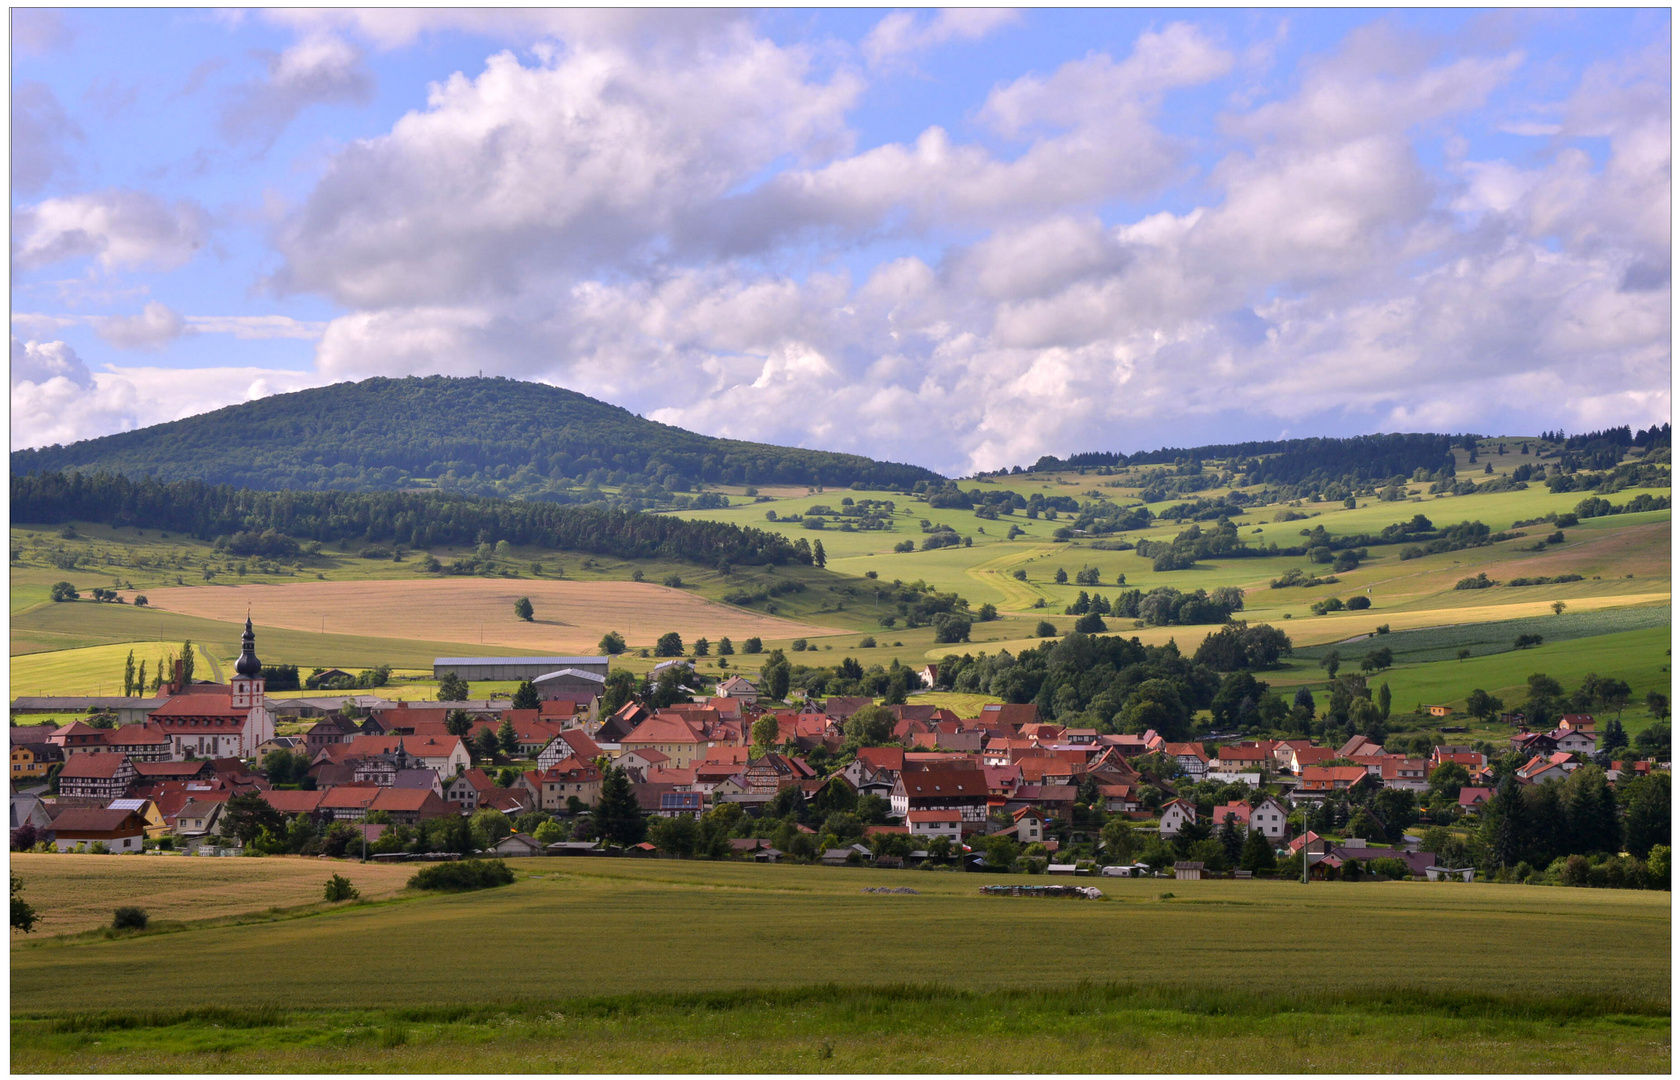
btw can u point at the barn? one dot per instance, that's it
(514, 668)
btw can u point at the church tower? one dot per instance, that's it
(247, 671)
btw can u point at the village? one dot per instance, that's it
(200, 770)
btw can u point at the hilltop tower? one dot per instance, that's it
(247, 671)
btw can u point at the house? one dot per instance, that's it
(1045, 771)
(570, 779)
(97, 776)
(1472, 798)
(516, 845)
(1010, 716)
(927, 824)
(1574, 740)
(857, 853)
(349, 803)
(1055, 799)
(1543, 767)
(572, 742)
(1239, 764)
(1471, 760)
(1581, 722)
(672, 734)
(1192, 759)
(941, 788)
(292, 803)
(197, 818)
(293, 744)
(739, 689)
(465, 789)
(1175, 815)
(329, 731)
(122, 831)
(1187, 871)
(1359, 746)
(445, 755)
(1320, 781)
(30, 810)
(772, 772)
(1029, 826)
(32, 761)
(689, 804)
(1118, 798)
(151, 818)
(1269, 816)
(1440, 710)
(1400, 773)
(77, 736)
(161, 772)
(409, 806)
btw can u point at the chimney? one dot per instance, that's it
(179, 684)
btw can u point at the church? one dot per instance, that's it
(211, 720)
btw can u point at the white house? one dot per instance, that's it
(1269, 817)
(1175, 815)
(927, 824)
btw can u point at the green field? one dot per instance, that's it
(1160, 976)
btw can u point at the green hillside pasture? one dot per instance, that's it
(1486, 638)
(694, 928)
(738, 926)
(1638, 656)
(914, 1029)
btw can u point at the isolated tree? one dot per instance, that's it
(452, 688)
(186, 661)
(1385, 700)
(128, 675)
(1482, 705)
(1331, 663)
(765, 731)
(24, 916)
(526, 696)
(63, 591)
(702, 647)
(246, 816)
(507, 736)
(522, 608)
(458, 722)
(670, 644)
(870, 726)
(1045, 628)
(1118, 840)
(485, 744)
(1558, 606)
(1257, 853)
(618, 815)
(612, 643)
(1657, 702)
(726, 647)
(819, 558)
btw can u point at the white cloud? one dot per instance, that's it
(156, 326)
(119, 228)
(398, 27)
(902, 33)
(59, 401)
(319, 70)
(40, 131)
(256, 327)
(42, 361)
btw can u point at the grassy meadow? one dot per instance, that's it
(1253, 976)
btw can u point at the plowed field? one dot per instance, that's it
(571, 616)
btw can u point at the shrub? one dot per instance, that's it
(463, 876)
(1480, 581)
(339, 888)
(905, 546)
(1327, 605)
(1045, 628)
(129, 918)
(1358, 603)
(1090, 623)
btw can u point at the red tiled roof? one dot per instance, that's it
(83, 820)
(935, 815)
(934, 783)
(293, 802)
(80, 766)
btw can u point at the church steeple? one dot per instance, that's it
(247, 671)
(248, 665)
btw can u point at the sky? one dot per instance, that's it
(959, 238)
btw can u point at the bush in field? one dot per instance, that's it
(129, 918)
(463, 876)
(339, 888)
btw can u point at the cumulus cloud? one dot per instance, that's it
(156, 326)
(397, 27)
(56, 399)
(118, 228)
(319, 70)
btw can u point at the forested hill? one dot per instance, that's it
(479, 436)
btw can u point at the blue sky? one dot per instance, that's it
(960, 238)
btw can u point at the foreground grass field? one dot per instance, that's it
(709, 966)
(926, 1028)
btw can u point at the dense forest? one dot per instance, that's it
(476, 436)
(418, 520)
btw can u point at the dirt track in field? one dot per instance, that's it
(571, 616)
